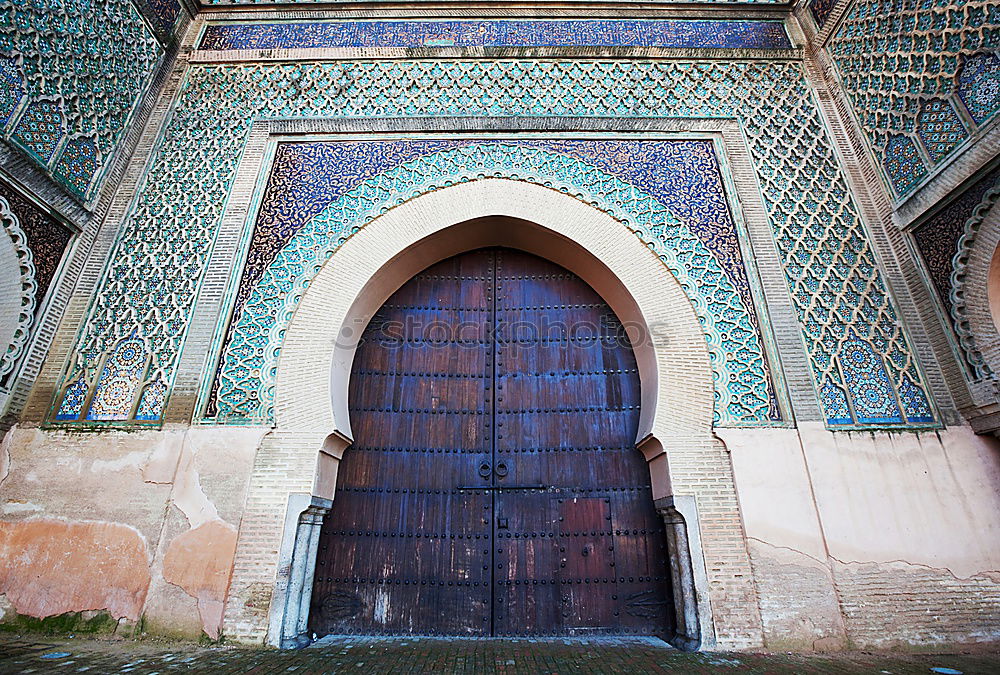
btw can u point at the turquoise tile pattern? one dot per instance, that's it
(671, 192)
(164, 245)
(71, 77)
(907, 67)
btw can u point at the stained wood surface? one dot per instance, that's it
(493, 487)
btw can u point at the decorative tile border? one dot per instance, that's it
(669, 33)
(832, 275)
(317, 190)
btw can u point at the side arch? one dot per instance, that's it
(18, 290)
(975, 288)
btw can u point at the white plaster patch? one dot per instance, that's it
(188, 495)
(5, 444)
(162, 463)
(13, 507)
(132, 460)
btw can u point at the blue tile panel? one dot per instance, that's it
(979, 86)
(940, 128)
(683, 177)
(903, 164)
(165, 13)
(821, 10)
(498, 33)
(71, 77)
(871, 390)
(908, 66)
(165, 242)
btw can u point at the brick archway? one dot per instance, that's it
(312, 427)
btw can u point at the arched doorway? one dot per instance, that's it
(494, 486)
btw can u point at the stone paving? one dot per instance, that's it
(32, 654)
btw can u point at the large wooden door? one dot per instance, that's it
(493, 487)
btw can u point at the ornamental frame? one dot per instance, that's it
(742, 194)
(10, 227)
(616, 86)
(972, 266)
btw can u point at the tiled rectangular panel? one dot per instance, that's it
(497, 33)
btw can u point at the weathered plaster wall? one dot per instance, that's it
(852, 532)
(139, 525)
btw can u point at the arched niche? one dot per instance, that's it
(976, 289)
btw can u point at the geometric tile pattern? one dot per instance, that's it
(40, 128)
(940, 128)
(165, 242)
(120, 380)
(83, 67)
(498, 33)
(979, 86)
(77, 163)
(903, 164)
(701, 247)
(871, 391)
(11, 90)
(893, 56)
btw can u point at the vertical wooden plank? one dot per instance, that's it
(505, 374)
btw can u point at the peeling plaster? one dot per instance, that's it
(133, 460)
(50, 567)
(200, 561)
(161, 466)
(188, 494)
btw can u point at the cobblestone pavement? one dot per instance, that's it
(28, 654)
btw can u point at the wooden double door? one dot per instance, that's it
(493, 487)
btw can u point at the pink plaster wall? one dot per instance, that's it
(50, 567)
(852, 532)
(130, 523)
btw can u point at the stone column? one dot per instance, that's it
(685, 577)
(296, 572)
